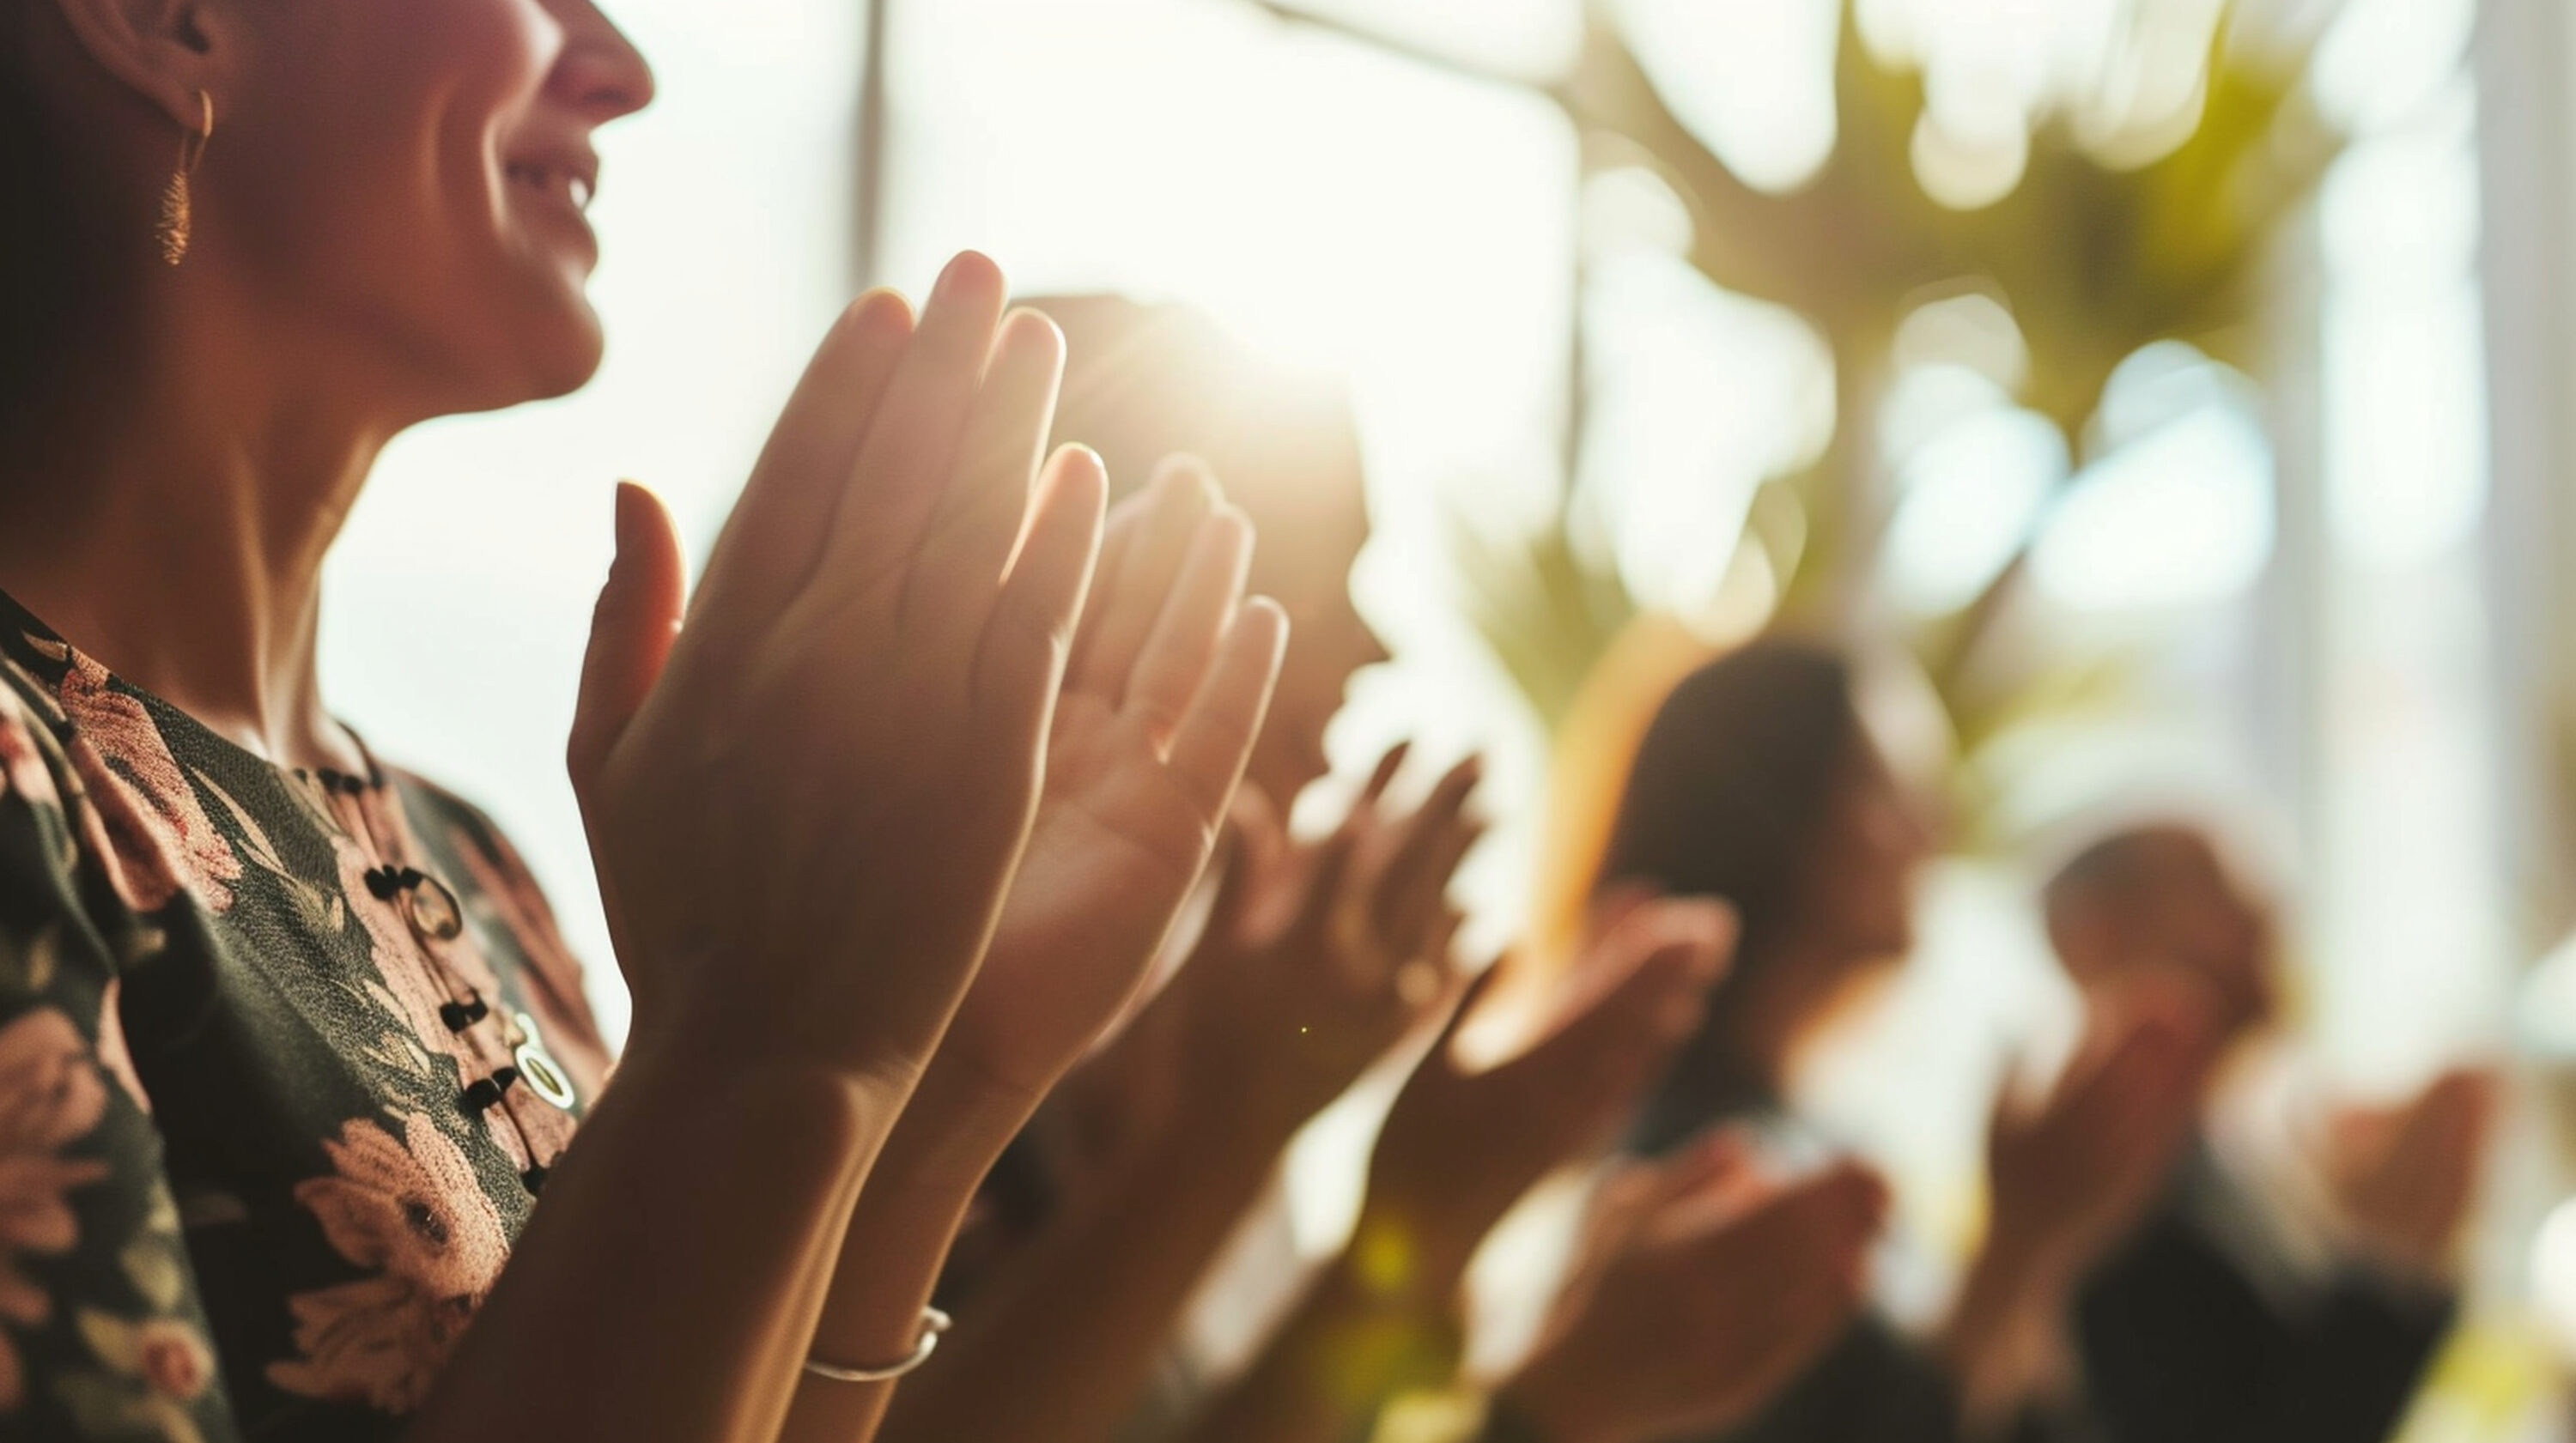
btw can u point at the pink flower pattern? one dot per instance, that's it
(22, 767)
(192, 882)
(50, 1096)
(151, 830)
(412, 1212)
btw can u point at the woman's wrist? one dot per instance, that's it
(956, 1123)
(2006, 1342)
(706, 1022)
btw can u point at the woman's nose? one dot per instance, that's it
(601, 70)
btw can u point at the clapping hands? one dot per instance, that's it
(2403, 1177)
(1169, 680)
(1462, 1145)
(1320, 956)
(2074, 1168)
(808, 797)
(1701, 1289)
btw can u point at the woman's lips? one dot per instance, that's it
(568, 186)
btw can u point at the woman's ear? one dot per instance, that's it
(165, 51)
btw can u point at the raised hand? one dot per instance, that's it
(807, 800)
(1701, 1290)
(1169, 681)
(1461, 1146)
(2072, 1171)
(1319, 957)
(2403, 1177)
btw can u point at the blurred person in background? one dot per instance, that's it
(1758, 783)
(291, 1056)
(2295, 1282)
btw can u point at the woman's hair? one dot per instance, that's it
(1724, 800)
(55, 251)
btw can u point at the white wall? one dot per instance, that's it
(459, 597)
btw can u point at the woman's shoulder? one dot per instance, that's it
(37, 783)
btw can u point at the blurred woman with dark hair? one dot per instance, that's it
(1759, 783)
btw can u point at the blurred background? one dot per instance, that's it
(2172, 400)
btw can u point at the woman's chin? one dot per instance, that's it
(553, 351)
(569, 366)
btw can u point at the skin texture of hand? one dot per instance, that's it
(807, 800)
(1461, 1145)
(1165, 694)
(1702, 1290)
(1319, 957)
(1159, 711)
(2404, 1177)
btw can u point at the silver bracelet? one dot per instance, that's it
(933, 1323)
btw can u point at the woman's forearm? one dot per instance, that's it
(2006, 1344)
(665, 1290)
(899, 1238)
(1059, 1349)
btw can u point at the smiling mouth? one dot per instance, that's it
(563, 185)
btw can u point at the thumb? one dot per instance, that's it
(1466, 995)
(631, 631)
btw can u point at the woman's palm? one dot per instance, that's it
(1167, 691)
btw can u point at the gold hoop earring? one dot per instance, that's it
(176, 217)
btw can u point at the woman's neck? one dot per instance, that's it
(1788, 992)
(173, 520)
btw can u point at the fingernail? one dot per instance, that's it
(953, 275)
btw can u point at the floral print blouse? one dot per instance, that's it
(284, 1058)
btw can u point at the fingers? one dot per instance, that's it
(1322, 899)
(1826, 1219)
(1655, 1000)
(1431, 844)
(905, 463)
(1021, 657)
(1703, 930)
(1222, 722)
(774, 540)
(2443, 1148)
(1196, 612)
(1260, 833)
(1117, 537)
(978, 518)
(1152, 533)
(1384, 776)
(1470, 994)
(1719, 1163)
(631, 631)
